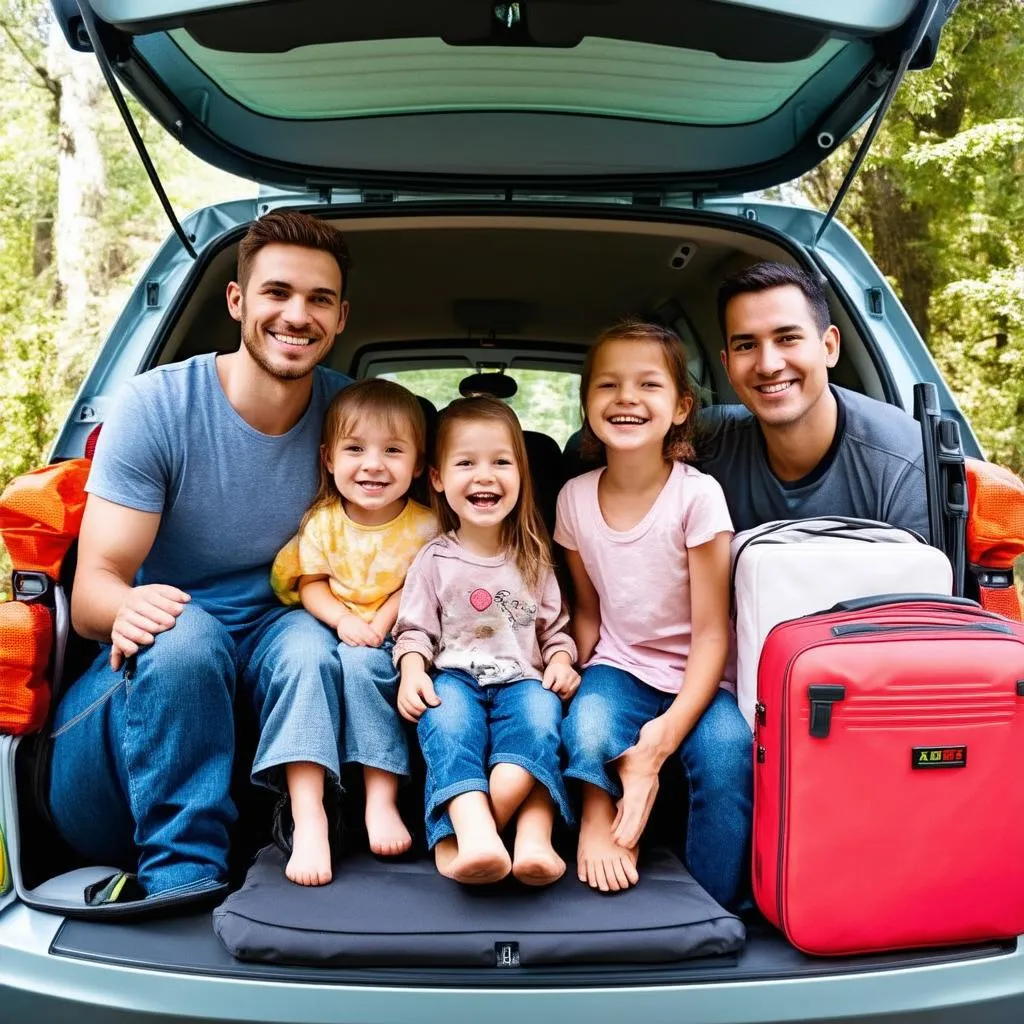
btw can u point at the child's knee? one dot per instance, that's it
(588, 730)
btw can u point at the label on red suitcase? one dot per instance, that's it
(938, 757)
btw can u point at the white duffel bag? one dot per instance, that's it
(791, 568)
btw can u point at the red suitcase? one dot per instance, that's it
(889, 776)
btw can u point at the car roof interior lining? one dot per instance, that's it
(571, 278)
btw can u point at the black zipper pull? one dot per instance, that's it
(760, 754)
(761, 711)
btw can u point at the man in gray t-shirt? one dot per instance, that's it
(201, 474)
(802, 447)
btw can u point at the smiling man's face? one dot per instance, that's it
(776, 357)
(291, 309)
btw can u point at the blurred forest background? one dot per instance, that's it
(939, 204)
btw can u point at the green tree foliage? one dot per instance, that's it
(43, 352)
(940, 206)
(546, 401)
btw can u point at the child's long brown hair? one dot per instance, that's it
(523, 532)
(374, 397)
(678, 445)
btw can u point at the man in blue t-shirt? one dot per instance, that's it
(802, 447)
(201, 474)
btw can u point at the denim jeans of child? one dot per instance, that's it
(605, 718)
(374, 732)
(476, 727)
(142, 759)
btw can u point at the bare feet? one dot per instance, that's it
(600, 862)
(472, 865)
(310, 862)
(534, 861)
(480, 855)
(471, 868)
(445, 852)
(480, 865)
(388, 834)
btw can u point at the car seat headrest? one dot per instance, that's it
(495, 384)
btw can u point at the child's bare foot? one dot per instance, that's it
(310, 862)
(480, 863)
(535, 862)
(481, 856)
(388, 834)
(445, 852)
(603, 864)
(600, 862)
(470, 868)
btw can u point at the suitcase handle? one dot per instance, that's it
(953, 604)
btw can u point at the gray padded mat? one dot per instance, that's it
(377, 913)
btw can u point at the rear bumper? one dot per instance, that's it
(38, 985)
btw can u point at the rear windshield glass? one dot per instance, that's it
(597, 76)
(547, 401)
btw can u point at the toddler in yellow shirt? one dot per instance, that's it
(347, 566)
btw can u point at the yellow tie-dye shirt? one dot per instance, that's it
(364, 565)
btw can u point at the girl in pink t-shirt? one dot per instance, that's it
(646, 538)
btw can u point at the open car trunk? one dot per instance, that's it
(464, 287)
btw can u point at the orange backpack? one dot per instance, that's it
(995, 534)
(40, 516)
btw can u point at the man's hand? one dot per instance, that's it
(560, 677)
(638, 769)
(146, 611)
(415, 694)
(357, 633)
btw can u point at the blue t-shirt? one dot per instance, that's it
(229, 496)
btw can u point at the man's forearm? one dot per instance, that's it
(96, 597)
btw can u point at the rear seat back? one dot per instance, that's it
(547, 469)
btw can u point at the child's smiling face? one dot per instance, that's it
(632, 399)
(373, 465)
(478, 474)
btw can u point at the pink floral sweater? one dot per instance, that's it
(468, 612)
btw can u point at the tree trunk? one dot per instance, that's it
(900, 243)
(81, 178)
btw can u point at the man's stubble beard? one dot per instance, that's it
(250, 340)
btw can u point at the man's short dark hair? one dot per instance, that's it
(763, 276)
(292, 227)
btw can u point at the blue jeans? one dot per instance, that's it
(604, 720)
(476, 727)
(374, 733)
(142, 759)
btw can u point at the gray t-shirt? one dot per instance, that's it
(230, 497)
(874, 470)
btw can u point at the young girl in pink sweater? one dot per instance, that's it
(481, 607)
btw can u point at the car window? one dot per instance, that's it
(546, 400)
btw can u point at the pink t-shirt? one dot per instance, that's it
(642, 575)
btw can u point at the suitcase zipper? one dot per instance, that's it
(862, 628)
